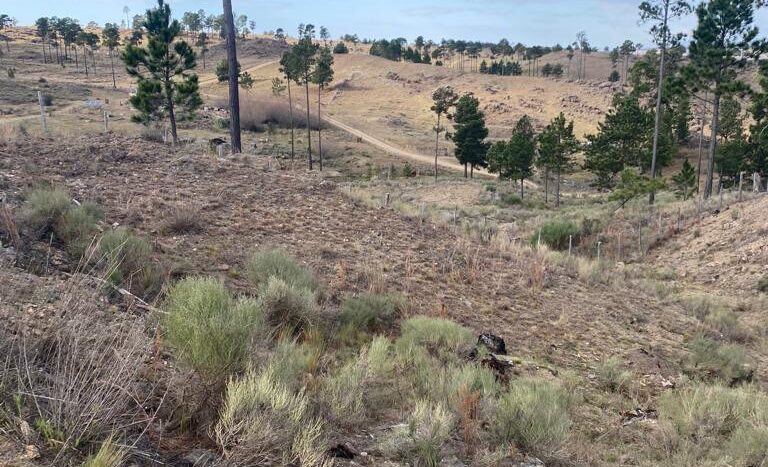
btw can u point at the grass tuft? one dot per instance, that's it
(372, 312)
(276, 263)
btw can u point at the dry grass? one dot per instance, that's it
(182, 219)
(261, 114)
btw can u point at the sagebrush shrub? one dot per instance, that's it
(288, 307)
(210, 330)
(612, 375)
(428, 428)
(276, 263)
(128, 259)
(42, 209)
(727, 362)
(532, 414)
(440, 336)
(372, 312)
(711, 422)
(77, 228)
(556, 234)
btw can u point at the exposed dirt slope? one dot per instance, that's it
(244, 207)
(728, 251)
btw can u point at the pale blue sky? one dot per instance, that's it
(607, 22)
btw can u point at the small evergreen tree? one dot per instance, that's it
(222, 70)
(557, 144)
(469, 134)
(202, 44)
(614, 77)
(110, 37)
(304, 56)
(278, 87)
(161, 70)
(685, 181)
(322, 76)
(513, 159)
(340, 48)
(444, 99)
(634, 185)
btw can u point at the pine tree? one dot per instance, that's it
(110, 37)
(202, 43)
(161, 70)
(513, 159)
(469, 134)
(303, 59)
(723, 42)
(685, 181)
(557, 144)
(322, 76)
(758, 133)
(289, 68)
(444, 99)
(234, 77)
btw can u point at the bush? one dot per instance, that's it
(555, 234)
(258, 114)
(533, 415)
(612, 376)
(728, 362)
(181, 220)
(340, 48)
(715, 422)
(727, 323)
(264, 423)
(509, 199)
(372, 312)
(288, 307)
(152, 133)
(292, 361)
(762, 284)
(47, 100)
(42, 209)
(78, 227)
(439, 336)
(210, 331)
(129, 261)
(699, 305)
(429, 427)
(109, 454)
(276, 263)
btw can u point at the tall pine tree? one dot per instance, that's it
(513, 159)
(469, 134)
(161, 69)
(557, 144)
(322, 76)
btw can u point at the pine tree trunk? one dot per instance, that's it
(319, 130)
(437, 143)
(522, 188)
(472, 171)
(77, 62)
(45, 57)
(465, 170)
(172, 118)
(712, 145)
(112, 62)
(309, 126)
(659, 92)
(85, 61)
(290, 113)
(234, 92)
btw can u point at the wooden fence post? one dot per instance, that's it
(42, 112)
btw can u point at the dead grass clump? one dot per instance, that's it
(9, 230)
(81, 385)
(699, 305)
(258, 115)
(154, 134)
(211, 331)
(725, 321)
(532, 414)
(181, 220)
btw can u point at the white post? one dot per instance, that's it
(538, 241)
(386, 200)
(598, 251)
(741, 183)
(570, 243)
(106, 121)
(42, 112)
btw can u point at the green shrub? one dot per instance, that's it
(509, 199)
(288, 307)
(291, 361)
(727, 323)
(439, 336)
(711, 359)
(762, 284)
(555, 234)
(340, 48)
(372, 312)
(429, 427)
(265, 264)
(43, 208)
(701, 420)
(128, 259)
(263, 421)
(448, 382)
(532, 414)
(699, 305)
(110, 454)
(78, 227)
(612, 376)
(210, 331)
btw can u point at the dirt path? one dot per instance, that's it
(249, 70)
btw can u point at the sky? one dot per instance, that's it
(545, 22)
